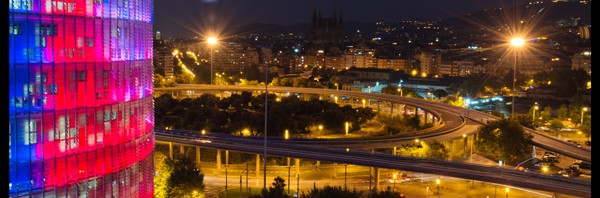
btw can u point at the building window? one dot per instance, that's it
(81, 76)
(32, 138)
(48, 30)
(90, 42)
(14, 29)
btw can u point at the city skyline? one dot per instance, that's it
(175, 18)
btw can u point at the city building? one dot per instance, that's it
(326, 30)
(80, 98)
(430, 62)
(583, 61)
(457, 68)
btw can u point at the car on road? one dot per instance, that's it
(202, 140)
(574, 142)
(569, 171)
(550, 153)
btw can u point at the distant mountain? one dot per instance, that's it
(349, 27)
(550, 12)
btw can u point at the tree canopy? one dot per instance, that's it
(503, 140)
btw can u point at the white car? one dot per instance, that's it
(202, 140)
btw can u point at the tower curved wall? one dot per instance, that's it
(81, 113)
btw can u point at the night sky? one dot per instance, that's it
(194, 16)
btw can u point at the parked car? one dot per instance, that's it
(551, 153)
(582, 164)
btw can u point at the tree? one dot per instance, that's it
(158, 80)
(276, 190)
(523, 120)
(387, 193)
(440, 93)
(185, 179)
(503, 140)
(556, 125)
(433, 150)
(563, 112)
(546, 114)
(330, 191)
(162, 174)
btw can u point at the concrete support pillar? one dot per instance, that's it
(198, 155)
(451, 146)
(426, 115)
(181, 150)
(377, 178)
(318, 163)
(226, 157)
(171, 150)
(394, 151)
(257, 165)
(465, 143)
(334, 170)
(404, 108)
(218, 159)
(297, 160)
(392, 108)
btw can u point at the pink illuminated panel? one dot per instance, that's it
(80, 98)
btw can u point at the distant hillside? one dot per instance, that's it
(549, 11)
(349, 27)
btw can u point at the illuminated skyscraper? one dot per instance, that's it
(80, 98)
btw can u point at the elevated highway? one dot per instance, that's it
(453, 126)
(493, 174)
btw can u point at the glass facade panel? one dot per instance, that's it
(80, 98)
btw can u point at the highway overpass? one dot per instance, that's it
(509, 177)
(453, 120)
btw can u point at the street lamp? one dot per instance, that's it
(400, 87)
(364, 103)
(516, 43)
(507, 191)
(337, 87)
(347, 127)
(394, 180)
(536, 107)
(287, 134)
(437, 182)
(584, 109)
(211, 42)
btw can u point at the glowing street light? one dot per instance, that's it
(347, 127)
(437, 182)
(584, 109)
(203, 132)
(516, 42)
(506, 189)
(211, 42)
(417, 140)
(364, 103)
(287, 134)
(337, 88)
